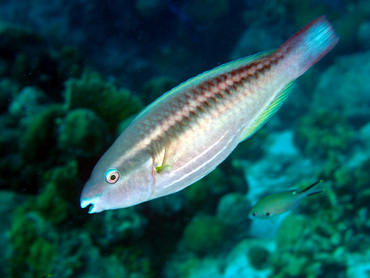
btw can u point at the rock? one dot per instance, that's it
(344, 88)
(242, 261)
(79, 257)
(117, 226)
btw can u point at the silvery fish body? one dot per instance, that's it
(187, 132)
(273, 205)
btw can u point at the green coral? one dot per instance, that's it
(9, 89)
(30, 62)
(39, 138)
(184, 268)
(34, 246)
(202, 194)
(59, 187)
(32, 235)
(14, 38)
(203, 233)
(58, 194)
(321, 132)
(93, 92)
(321, 245)
(205, 193)
(50, 205)
(70, 62)
(83, 133)
(302, 247)
(361, 181)
(136, 261)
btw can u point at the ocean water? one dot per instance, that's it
(73, 75)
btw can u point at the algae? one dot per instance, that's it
(203, 233)
(109, 103)
(39, 138)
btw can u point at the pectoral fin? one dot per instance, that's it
(270, 111)
(273, 219)
(173, 151)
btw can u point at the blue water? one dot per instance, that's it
(73, 74)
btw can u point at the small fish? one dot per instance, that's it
(186, 133)
(273, 205)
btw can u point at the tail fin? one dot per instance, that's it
(309, 187)
(315, 192)
(310, 43)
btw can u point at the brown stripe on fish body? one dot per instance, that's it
(215, 95)
(222, 88)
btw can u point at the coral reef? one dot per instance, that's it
(73, 76)
(27, 102)
(28, 60)
(83, 133)
(9, 89)
(351, 89)
(203, 233)
(322, 132)
(93, 92)
(34, 243)
(39, 137)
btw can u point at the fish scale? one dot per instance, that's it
(191, 129)
(218, 90)
(229, 82)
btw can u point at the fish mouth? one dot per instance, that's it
(93, 208)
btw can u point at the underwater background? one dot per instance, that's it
(73, 74)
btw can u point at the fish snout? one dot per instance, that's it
(94, 208)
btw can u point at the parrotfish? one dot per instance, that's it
(270, 207)
(186, 133)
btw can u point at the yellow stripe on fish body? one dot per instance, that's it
(187, 132)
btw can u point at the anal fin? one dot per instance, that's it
(270, 111)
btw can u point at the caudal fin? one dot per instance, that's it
(311, 186)
(310, 44)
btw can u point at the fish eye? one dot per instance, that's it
(267, 214)
(111, 176)
(254, 214)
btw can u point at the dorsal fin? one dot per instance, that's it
(204, 76)
(270, 111)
